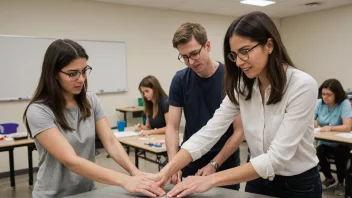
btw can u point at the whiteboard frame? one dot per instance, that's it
(76, 40)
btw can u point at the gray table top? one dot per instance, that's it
(118, 192)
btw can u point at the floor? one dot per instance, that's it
(24, 191)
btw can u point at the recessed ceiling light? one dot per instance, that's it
(257, 2)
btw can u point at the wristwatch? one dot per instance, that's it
(216, 166)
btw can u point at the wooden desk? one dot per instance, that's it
(9, 146)
(115, 191)
(331, 137)
(133, 110)
(141, 149)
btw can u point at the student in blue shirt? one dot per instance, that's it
(333, 113)
(156, 106)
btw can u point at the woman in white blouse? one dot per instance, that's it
(276, 102)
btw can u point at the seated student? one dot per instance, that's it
(63, 118)
(333, 113)
(156, 107)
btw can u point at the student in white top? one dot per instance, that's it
(276, 103)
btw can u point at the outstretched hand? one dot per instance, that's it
(176, 178)
(159, 179)
(206, 170)
(192, 184)
(141, 184)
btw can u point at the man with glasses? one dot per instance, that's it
(198, 90)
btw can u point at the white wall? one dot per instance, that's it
(147, 33)
(320, 43)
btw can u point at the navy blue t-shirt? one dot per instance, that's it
(199, 97)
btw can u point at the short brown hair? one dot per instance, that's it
(186, 31)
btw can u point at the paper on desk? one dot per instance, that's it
(146, 138)
(345, 135)
(17, 134)
(125, 134)
(316, 130)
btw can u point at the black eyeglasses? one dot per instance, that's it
(242, 54)
(74, 75)
(194, 56)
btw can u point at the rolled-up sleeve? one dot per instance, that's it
(298, 116)
(202, 141)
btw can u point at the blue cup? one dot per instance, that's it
(121, 125)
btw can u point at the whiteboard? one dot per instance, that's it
(21, 61)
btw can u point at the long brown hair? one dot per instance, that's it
(256, 26)
(59, 54)
(152, 83)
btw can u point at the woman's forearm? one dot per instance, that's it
(158, 131)
(235, 175)
(96, 173)
(341, 128)
(119, 155)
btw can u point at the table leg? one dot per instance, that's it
(125, 117)
(136, 156)
(30, 165)
(348, 187)
(12, 168)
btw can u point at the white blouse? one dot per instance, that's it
(280, 136)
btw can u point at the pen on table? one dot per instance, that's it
(151, 144)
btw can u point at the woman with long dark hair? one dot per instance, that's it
(276, 102)
(156, 106)
(63, 118)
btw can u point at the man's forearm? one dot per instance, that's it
(172, 141)
(230, 147)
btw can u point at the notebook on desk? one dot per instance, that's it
(345, 135)
(124, 134)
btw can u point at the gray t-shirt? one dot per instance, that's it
(53, 178)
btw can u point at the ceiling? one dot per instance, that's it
(282, 8)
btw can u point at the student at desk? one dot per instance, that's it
(333, 113)
(63, 118)
(156, 107)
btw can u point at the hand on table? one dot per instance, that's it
(144, 133)
(160, 179)
(141, 184)
(176, 178)
(326, 128)
(192, 184)
(206, 170)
